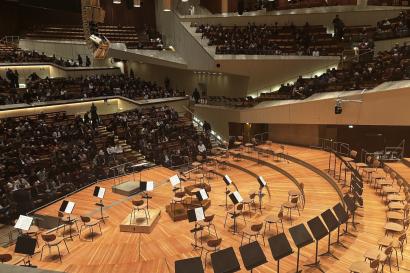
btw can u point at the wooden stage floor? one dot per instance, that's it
(115, 251)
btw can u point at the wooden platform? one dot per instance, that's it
(124, 252)
(139, 223)
(406, 161)
(127, 188)
(179, 211)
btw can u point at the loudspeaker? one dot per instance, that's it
(241, 6)
(338, 109)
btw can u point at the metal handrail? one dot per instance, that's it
(10, 39)
(261, 136)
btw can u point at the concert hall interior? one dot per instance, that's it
(199, 136)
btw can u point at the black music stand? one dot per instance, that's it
(191, 265)
(228, 181)
(225, 261)
(99, 193)
(319, 231)
(26, 245)
(252, 255)
(145, 187)
(68, 207)
(280, 247)
(236, 198)
(332, 223)
(202, 195)
(195, 215)
(262, 185)
(301, 237)
(351, 207)
(343, 217)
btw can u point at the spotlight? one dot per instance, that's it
(116, 1)
(137, 3)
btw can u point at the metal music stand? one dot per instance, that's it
(252, 255)
(26, 245)
(301, 237)
(68, 207)
(99, 193)
(195, 215)
(280, 247)
(225, 261)
(228, 182)
(202, 195)
(191, 265)
(343, 217)
(351, 207)
(332, 223)
(236, 198)
(145, 187)
(262, 185)
(319, 231)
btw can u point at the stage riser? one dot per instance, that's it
(139, 223)
(406, 161)
(127, 188)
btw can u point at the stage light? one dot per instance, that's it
(184, 0)
(166, 5)
(351, 126)
(137, 3)
(116, 1)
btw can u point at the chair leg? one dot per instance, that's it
(243, 235)
(66, 246)
(226, 217)
(59, 254)
(41, 256)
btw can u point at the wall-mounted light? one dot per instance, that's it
(137, 3)
(166, 5)
(116, 1)
(351, 126)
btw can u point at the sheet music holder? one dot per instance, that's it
(332, 224)
(26, 245)
(227, 180)
(343, 217)
(236, 198)
(225, 261)
(175, 181)
(67, 206)
(319, 231)
(252, 255)
(262, 182)
(301, 237)
(24, 222)
(202, 195)
(195, 215)
(351, 207)
(280, 247)
(148, 185)
(99, 192)
(190, 265)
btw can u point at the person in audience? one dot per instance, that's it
(80, 60)
(87, 61)
(338, 26)
(196, 96)
(201, 148)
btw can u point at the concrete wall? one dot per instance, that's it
(187, 80)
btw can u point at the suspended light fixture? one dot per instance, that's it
(166, 5)
(116, 1)
(137, 3)
(184, 0)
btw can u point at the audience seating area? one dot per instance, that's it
(148, 39)
(70, 88)
(270, 39)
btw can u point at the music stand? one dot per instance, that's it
(26, 245)
(225, 261)
(262, 184)
(174, 182)
(202, 195)
(236, 198)
(145, 187)
(319, 231)
(332, 223)
(68, 207)
(190, 265)
(280, 247)
(351, 207)
(228, 182)
(99, 193)
(24, 222)
(252, 255)
(343, 217)
(301, 237)
(195, 215)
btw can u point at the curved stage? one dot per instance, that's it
(119, 252)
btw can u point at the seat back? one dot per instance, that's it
(374, 264)
(209, 218)
(179, 194)
(4, 258)
(48, 237)
(239, 207)
(214, 243)
(138, 203)
(280, 214)
(257, 227)
(294, 200)
(60, 214)
(353, 153)
(85, 219)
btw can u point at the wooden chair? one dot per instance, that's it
(363, 267)
(250, 201)
(291, 205)
(4, 258)
(298, 193)
(396, 243)
(383, 256)
(253, 231)
(66, 221)
(137, 206)
(238, 210)
(208, 223)
(51, 240)
(274, 219)
(179, 198)
(90, 224)
(211, 247)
